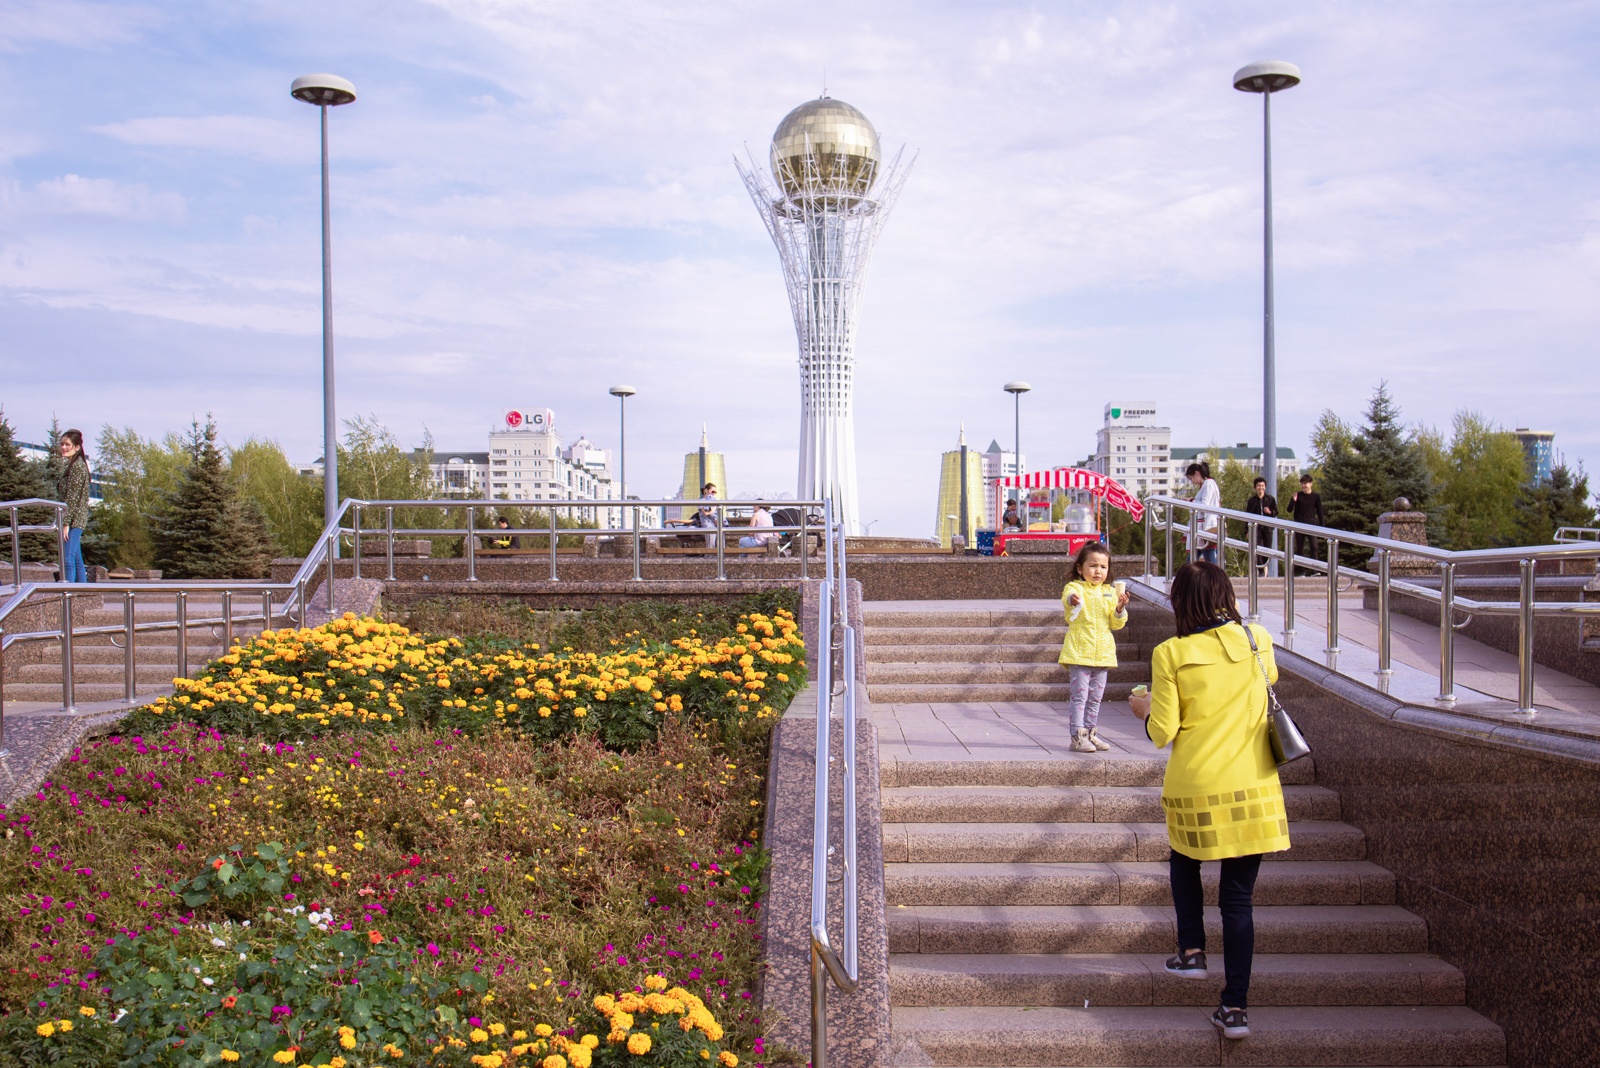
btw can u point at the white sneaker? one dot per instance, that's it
(1096, 741)
(1081, 742)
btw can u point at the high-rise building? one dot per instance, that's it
(1133, 448)
(526, 462)
(1539, 446)
(950, 497)
(832, 196)
(700, 467)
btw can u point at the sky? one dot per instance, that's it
(533, 201)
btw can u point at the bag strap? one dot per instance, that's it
(1272, 694)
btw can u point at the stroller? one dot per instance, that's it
(789, 541)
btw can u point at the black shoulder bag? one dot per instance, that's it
(1288, 744)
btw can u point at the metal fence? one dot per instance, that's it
(1578, 534)
(1161, 514)
(17, 529)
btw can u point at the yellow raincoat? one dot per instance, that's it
(1207, 700)
(1089, 642)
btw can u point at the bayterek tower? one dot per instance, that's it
(832, 196)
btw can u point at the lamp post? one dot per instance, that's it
(622, 393)
(1016, 389)
(1268, 77)
(326, 91)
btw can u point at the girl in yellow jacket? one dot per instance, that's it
(1208, 700)
(1089, 650)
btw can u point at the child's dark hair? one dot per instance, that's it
(1089, 547)
(1202, 596)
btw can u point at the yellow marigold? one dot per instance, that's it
(655, 982)
(65, 1025)
(45, 1030)
(336, 1062)
(590, 1042)
(87, 1010)
(284, 1056)
(617, 1036)
(621, 1021)
(229, 1055)
(729, 1060)
(555, 1060)
(630, 1002)
(543, 1030)
(639, 1044)
(478, 1034)
(488, 1060)
(580, 1056)
(713, 1032)
(497, 1029)
(518, 1036)
(393, 1050)
(347, 1041)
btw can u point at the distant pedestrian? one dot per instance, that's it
(1207, 495)
(1306, 507)
(760, 519)
(502, 540)
(1263, 504)
(1093, 610)
(706, 516)
(1011, 520)
(1208, 700)
(73, 489)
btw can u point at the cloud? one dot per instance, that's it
(69, 23)
(104, 198)
(241, 135)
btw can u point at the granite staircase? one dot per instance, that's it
(99, 663)
(1029, 913)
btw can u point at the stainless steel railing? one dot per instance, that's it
(1160, 512)
(1578, 534)
(15, 530)
(836, 681)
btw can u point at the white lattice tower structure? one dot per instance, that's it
(832, 196)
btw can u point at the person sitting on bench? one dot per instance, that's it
(707, 517)
(759, 518)
(503, 541)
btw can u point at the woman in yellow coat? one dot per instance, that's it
(1222, 797)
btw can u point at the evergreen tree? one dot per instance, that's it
(20, 479)
(1361, 474)
(1562, 500)
(1480, 479)
(201, 529)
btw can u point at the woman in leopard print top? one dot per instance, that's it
(74, 491)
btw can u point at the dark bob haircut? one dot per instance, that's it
(1202, 596)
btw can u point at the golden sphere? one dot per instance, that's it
(840, 141)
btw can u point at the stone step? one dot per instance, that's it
(1069, 980)
(957, 843)
(971, 673)
(1294, 1037)
(1284, 882)
(1037, 653)
(980, 636)
(145, 672)
(144, 653)
(986, 693)
(1052, 614)
(1080, 769)
(1147, 929)
(83, 694)
(1069, 804)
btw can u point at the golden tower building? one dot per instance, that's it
(700, 467)
(950, 493)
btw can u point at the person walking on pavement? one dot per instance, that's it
(74, 492)
(1265, 504)
(1207, 495)
(1306, 507)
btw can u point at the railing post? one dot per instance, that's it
(130, 656)
(388, 528)
(1525, 643)
(1447, 633)
(1333, 596)
(3, 750)
(68, 684)
(227, 611)
(472, 544)
(183, 633)
(356, 547)
(634, 522)
(300, 604)
(805, 541)
(1166, 523)
(1288, 604)
(553, 577)
(722, 512)
(61, 548)
(16, 550)
(1384, 630)
(333, 555)
(266, 610)
(1194, 534)
(1149, 532)
(1251, 583)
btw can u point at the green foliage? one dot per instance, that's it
(135, 474)
(19, 480)
(1480, 478)
(1362, 471)
(203, 529)
(290, 502)
(237, 883)
(1562, 500)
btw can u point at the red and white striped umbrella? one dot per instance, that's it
(1080, 478)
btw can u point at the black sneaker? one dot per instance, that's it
(1188, 965)
(1233, 1023)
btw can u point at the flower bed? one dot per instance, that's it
(292, 877)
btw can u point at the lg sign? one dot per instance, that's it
(543, 419)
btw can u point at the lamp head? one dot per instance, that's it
(622, 391)
(1268, 76)
(324, 90)
(1015, 388)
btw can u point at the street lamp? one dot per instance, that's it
(1268, 77)
(622, 393)
(1017, 389)
(326, 91)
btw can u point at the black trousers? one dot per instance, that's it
(1306, 545)
(1234, 894)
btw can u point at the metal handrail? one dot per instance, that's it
(1525, 608)
(16, 530)
(1579, 534)
(833, 681)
